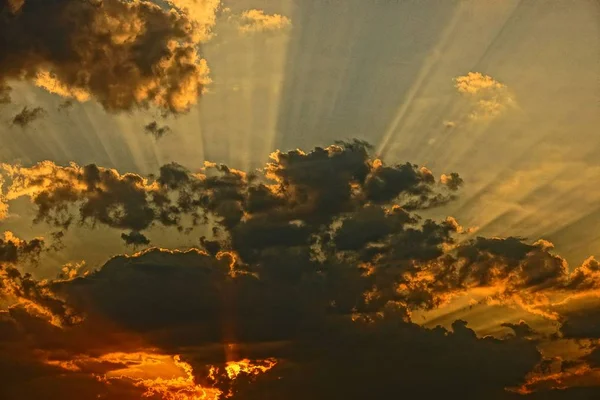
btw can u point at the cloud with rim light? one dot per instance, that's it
(311, 257)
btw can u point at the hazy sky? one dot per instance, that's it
(504, 93)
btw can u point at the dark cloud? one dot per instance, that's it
(157, 131)
(124, 54)
(135, 239)
(585, 277)
(453, 181)
(594, 358)
(582, 322)
(295, 192)
(34, 299)
(28, 115)
(212, 247)
(101, 195)
(13, 249)
(329, 203)
(317, 261)
(521, 329)
(184, 302)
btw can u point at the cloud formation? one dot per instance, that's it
(272, 317)
(123, 54)
(312, 277)
(251, 21)
(155, 130)
(490, 98)
(103, 195)
(14, 250)
(314, 187)
(28, 115)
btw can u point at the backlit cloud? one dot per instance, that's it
(312, 276)
(14, 249)
(123, 54)
(314, 187)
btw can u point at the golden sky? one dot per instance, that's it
(284, 199)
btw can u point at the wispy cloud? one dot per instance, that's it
(254, 20)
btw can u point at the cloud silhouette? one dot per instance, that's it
(155, 130)
(309, 286)
(28, 115)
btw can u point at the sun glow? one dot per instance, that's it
(163, 375)
(245, 366)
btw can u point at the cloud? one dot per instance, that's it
(28, 115)
(179, 303)
(328, 203)
(489, 97)
(50, 82)
(252, 21)
(103, 195)
(453, 181)
(315, 187)
(123, 54)
(135, 239)
(13, 249)
(202, 12)
(521, 329)
(157, 131)
(585, 277)
(316, 267)
(581, 322)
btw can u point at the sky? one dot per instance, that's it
(285, 199)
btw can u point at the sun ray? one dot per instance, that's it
(424, 73)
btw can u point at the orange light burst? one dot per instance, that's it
(163, 375)
(245, 366)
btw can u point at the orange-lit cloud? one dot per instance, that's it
(162, 375)
(254, 20)
(316, 267)
(123, 54)
(201, 12)
(159, 375)
(490, 97)
(50, 82)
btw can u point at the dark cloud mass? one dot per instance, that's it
(13, 249)
(315, 269)
(28, 115)
(295, 189)
(155, 130)
(186, 303)
(135, 239)
(124, 54)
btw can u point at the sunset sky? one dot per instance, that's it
(299, 199)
